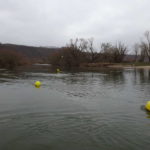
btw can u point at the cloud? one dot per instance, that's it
(53, 23)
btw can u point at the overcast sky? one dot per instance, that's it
(54, 22)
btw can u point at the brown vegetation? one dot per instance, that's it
(78, 53)
(81, 52)
(11, 59)
(34, 54)
(145, 47)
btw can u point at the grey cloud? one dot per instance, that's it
(53, 23)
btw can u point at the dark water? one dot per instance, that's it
(75, 111)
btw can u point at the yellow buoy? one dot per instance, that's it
(147, 106)
(37, 84)
(58, 70)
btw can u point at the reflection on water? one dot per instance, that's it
(74, 110)
(142, 76)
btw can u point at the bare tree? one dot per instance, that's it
(145, 46)
(106, 52)
(113, 53)
(119, 52)
(91, 50)
(136, 51)
(143, 53)
(85, 46)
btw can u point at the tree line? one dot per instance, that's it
(143, 48)
(82, 51)
(11, 59)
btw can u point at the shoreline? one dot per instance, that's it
(129, 66)
(85, 67)
(115, 65)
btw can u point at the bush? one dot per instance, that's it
(67, 57)
(11, 59)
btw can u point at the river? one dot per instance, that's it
(75, 110)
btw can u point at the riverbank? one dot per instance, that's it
(83, 67)
(97, 66)
(131, 65)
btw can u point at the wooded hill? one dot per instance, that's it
(31, 52)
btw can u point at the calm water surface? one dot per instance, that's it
(75, 111)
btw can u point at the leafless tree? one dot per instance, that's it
(145, 46)
(136, 51)
(93, 54)
(119, 52)
(113, 53)
(106, 52)
(85, 46)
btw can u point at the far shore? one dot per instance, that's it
(129, 66)
(86, 66)
(97, 66)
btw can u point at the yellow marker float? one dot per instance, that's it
(37, 84)
(147, 106)
(58, 70)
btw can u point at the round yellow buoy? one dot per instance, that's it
(58, 70)
(37, 84)
(147, 106)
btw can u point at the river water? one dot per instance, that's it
(75, 110)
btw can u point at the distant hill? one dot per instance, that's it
(40, 54)
(37, 53)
